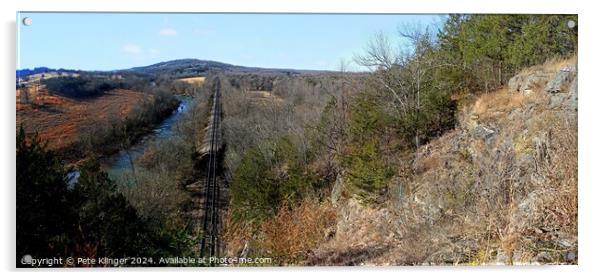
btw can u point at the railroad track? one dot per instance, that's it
(211, 218)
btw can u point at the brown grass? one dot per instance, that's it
(264, 97)
(288, 237)
(552, 65)
(193, 80)
(60, 120)
(499, 103)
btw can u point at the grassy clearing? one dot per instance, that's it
(193, 80)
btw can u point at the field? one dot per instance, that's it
(193, 80)
(60, 120)
(264, 97)
(35, 78)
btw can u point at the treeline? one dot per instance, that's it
(90, 85)
(252, 81)
(489, 49)
(87, 219)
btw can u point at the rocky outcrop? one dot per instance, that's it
(526, 83)
(561, 79)
(337, 190)
(561, 85)
(483, 132)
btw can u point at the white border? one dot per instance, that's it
(589, 128)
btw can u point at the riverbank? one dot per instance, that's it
(123, 159)
(113, 134)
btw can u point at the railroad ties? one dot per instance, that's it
(209, 151)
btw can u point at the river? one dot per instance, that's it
(120, 162)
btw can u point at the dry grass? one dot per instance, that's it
(552, 65)
(264, 97)
(60, 120)
(193, 80)
(363, 235)
(288, 237)
(498, 104)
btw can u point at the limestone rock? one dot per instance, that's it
(533, 81)
(556, 101)
(526, 83)
(484, 132)
(573, 94)
(514, 83)
(337, 189)
(561, 78)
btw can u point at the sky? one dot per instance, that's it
(111, 41)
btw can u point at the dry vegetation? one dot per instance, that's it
(287, 238)
(500, 188)
(197, 81)
(252, 117)
(62, 120)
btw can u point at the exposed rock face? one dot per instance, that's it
(560, 85)
(557, 100)
(484, 133)
(514, 83)
(562, 78)
(573, 94)
(533, 81)
(527, 83)
(337, 189)
(554, 82)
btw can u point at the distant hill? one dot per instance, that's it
(181, 68)
(192, 67)
(40, 70)
(26, 72)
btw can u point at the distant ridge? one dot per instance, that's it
(190, 67)
(183, 68)
(38, 70)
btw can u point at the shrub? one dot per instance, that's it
(267, 178)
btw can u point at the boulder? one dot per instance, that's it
(533, 81)
(573, 95)
(483, 132)
(337, 190)
(565, 75)
(556, 101)
(544, 257)
(526, 83)
(514, 83)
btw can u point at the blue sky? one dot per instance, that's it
(104, 41)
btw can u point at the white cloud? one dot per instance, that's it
(168, 32)
(131, 49)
